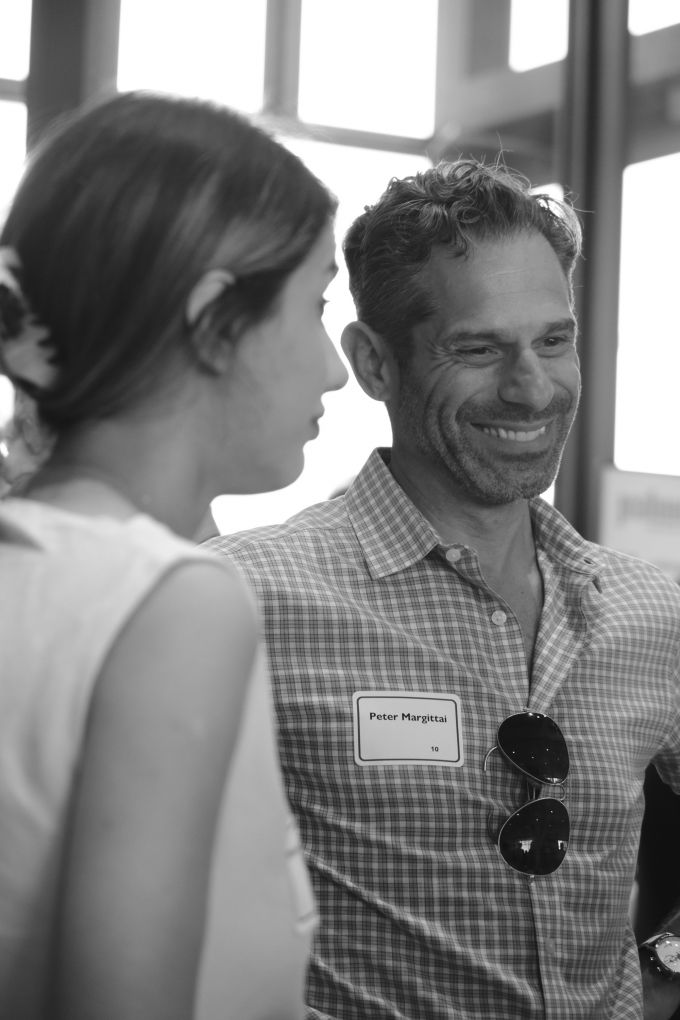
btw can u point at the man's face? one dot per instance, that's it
(486, 401)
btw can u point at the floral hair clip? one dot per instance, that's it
(26, 354)
(210, 286)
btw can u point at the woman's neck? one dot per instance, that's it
(111, 469)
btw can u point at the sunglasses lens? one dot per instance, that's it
(534, 839)
(534, 744)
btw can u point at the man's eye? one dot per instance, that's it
(476, 353)
(556, 343)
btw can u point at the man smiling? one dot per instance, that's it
(496, 359)
(480, 866)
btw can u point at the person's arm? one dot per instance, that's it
(160, 734)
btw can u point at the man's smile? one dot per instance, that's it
(514, 435)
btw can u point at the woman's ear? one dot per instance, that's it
(212, 349)
(371, 359)
(211, 285)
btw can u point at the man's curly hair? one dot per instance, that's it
(451, 205)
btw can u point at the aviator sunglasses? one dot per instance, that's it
(534, 839)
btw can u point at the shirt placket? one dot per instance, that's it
(497, 628)
(561, 634)
(559, 642)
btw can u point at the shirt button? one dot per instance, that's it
(498, 617)
(453, 555)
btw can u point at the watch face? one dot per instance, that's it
(668, 952)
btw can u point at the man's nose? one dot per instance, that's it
(525, 381)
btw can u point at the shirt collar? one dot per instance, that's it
(554, 534)
(394, 535)
(392, 532)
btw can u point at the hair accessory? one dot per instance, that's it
(26, 354)
(211, 285)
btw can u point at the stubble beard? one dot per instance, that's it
(487, 479)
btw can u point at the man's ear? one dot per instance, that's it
(372, 362)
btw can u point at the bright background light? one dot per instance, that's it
(369, 65)
(650, 15)
(648, 369)
(15, 38)
(13, 134)
(539, 29)
(193, 48)
(539, 33)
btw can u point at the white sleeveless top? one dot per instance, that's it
(68, 584)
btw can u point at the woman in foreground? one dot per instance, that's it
(162, 272)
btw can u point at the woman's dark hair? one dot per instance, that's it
(447, 206)
(119, 214)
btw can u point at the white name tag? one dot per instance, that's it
(398, 728)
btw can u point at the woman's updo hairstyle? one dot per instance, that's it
(123, 210)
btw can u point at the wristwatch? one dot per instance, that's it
(662, 955)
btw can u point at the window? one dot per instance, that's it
(15, 39)
(199, 48)
(539, 33)
(13, 134)
(649, 348)
(650, 15)
(369, 66)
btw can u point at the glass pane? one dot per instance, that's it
(204, 48)
(649, 15)
(370, 66)
(649, 348)
(15, 39)
(353, 423)
(13, 134)
(539, 33)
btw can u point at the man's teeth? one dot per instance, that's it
(518, 437)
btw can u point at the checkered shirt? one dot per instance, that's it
(420, 916)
